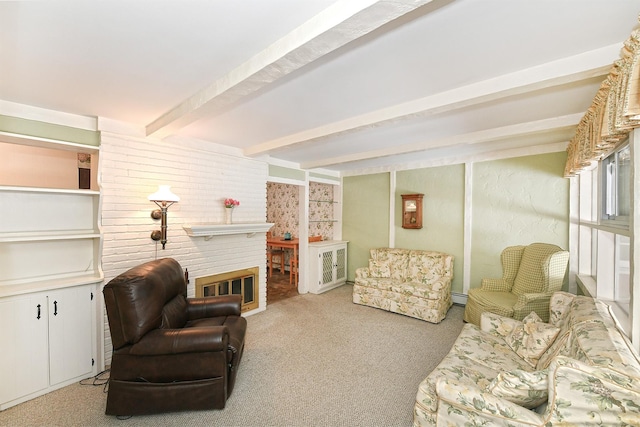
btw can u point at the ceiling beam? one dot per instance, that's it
(339, 24)
(563, 71)
(478, 137)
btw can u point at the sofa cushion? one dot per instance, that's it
(396, 259)
(497, 325)
(598, 345)
(531, 338)
(580, 310)
(576, 387)
(379, 269)
(587, 309)
(527, 389)
(487, 350)
(428, 266)
(422, 290)
(559, 307)
(455, 367)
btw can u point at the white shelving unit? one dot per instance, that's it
(50, 249)
(327, 265)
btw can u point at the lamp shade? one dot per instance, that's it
(164, 194)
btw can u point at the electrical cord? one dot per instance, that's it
(101, 379)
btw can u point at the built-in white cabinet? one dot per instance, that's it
(327, 265)
(47, 342)
(50, 248)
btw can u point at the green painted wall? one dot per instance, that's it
(442, 215)
(365, 216)
(516, 202)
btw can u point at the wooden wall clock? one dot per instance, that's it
(412, 210)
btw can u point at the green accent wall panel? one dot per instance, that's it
(365, 217)
(323, 176)
(443, 213)
(48, 130)
(288, 173)
(517, 201)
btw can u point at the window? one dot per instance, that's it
(616, 187)
(604, 233)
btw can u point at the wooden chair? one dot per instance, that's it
(293, 262)
(293, 270)
(275, 256)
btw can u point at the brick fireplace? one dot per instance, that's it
(242, 282)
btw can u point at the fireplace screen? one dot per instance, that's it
(239, 282)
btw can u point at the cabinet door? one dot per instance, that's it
(70, 337)
(341, 264)
(326, 264)
(24, 359)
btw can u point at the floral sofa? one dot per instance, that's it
(576, 370)
(415, 283)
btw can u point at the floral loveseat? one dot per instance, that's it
(503, 373)
(415, 283)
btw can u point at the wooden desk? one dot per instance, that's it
(279, 242)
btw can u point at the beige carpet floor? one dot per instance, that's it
(309, 360)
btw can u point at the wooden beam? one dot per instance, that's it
(478, 137)
(339, 24)
(572, 69)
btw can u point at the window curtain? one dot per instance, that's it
(614, 112)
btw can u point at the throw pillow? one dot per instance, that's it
(379, 269)
(527, 389)
(532, 338)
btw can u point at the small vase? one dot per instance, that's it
(228, 215)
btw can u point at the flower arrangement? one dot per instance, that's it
(231, 203)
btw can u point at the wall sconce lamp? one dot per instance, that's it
(163, 198)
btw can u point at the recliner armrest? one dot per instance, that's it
(187, 340)
(223, 305)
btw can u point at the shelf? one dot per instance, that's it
(208, 230)
(35, 141)
(49, 190)
(37, 236)
(20, 287)
(323, 220)
(323, 201)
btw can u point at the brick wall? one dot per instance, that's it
(202, 175)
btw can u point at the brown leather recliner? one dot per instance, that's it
(170, 353)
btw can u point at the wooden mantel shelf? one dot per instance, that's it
(208, 230)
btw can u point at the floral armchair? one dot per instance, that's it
(531, 274)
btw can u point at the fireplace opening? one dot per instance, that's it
(240, 282)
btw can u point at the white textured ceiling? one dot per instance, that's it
(345, 85)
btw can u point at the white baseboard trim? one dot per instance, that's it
(459, 298)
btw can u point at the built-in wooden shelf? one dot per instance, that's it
(209, 230)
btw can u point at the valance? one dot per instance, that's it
(614, 112)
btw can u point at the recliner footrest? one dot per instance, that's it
(142, 398)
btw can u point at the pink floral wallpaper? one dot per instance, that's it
(283, 202)
(321, 206)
